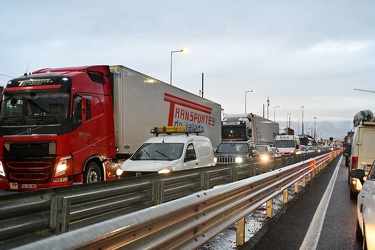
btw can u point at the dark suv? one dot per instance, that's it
(229, 152)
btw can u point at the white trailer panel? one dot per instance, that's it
(142, 102)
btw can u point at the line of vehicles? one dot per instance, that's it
(359, 152)
(61, 126)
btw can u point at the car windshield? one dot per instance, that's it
(233, 148)
(159, 151)
(261, 149)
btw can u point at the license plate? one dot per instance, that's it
(28, 185)
(138, 174)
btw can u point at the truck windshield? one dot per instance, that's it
(34, 108)
(159, 151)
(284, 144)
(233, 133)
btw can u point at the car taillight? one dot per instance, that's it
(354, 162)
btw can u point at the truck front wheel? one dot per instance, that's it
(92, 173)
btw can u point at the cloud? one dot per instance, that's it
(332, 46)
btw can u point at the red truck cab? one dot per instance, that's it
(57, 128)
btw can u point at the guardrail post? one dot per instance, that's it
(158, 196)
(240, 232)
(285, 196)
(269, 205)
(304, 181)
(296, 187)
(59, 214)
(309, 177)
(254, 168)
(234, 173)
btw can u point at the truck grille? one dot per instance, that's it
(29, 162)
(29, 172)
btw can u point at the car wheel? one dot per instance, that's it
(353, 195)
(92, 173)
(358, 233)
(364, 238)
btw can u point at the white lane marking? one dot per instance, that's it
(313, 233)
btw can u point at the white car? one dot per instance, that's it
(366, 207)
(168, 152)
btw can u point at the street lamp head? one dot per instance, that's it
(248, 91)
(175, 51)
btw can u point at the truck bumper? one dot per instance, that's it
(14, 186)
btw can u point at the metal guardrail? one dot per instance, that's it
(188, 222)
(31, 216)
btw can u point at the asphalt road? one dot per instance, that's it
(290, 229)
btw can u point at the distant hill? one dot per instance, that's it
(325, 129)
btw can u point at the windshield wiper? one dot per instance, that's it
(148, 154)
(14, 121)
(166, 156)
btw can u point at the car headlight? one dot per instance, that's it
(238, 160)
(215, 159)
(164, 171)
(264, 157)
(119, 171)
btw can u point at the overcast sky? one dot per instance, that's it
(297, 53)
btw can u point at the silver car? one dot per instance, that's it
(366, 207)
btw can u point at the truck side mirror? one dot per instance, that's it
(77, 110)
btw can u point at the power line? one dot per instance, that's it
(7, 76)
(365, 90)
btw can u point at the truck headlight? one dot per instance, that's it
(238, 160)
(2, 172)
(215, 159)
(63, 166)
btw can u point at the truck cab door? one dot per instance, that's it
(191, 157)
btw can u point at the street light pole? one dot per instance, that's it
(288, 119)
(303, 107)
(274, 112)
(314, 127)
(249, 91)
(174, 51)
